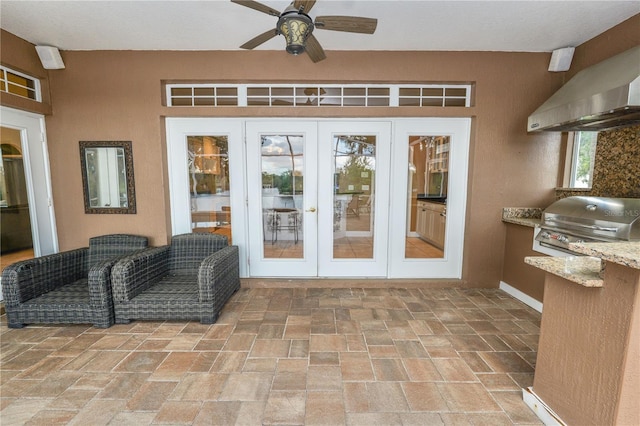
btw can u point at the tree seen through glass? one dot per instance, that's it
(585, 147)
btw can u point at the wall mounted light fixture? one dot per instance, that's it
(50, 57)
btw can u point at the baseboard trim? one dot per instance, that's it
(524, 298)
(350, 283)
(542, 410)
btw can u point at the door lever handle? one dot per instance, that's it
(312, 210)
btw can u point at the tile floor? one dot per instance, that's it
(285, 357)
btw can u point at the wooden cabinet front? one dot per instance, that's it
(431, 222)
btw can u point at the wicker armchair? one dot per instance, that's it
(68, 287)
(192, 278)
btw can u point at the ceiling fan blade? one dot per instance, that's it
(257, 6)
(259, 39)
(305, 4)
(351, 24)
(314, 50)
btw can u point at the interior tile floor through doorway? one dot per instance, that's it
(7, 259)
(298, 356)
(351, 248)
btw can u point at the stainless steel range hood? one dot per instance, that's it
(601, 97)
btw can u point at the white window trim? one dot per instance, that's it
(393, 96)
(568, 160)
(36, 84)
(571, 163)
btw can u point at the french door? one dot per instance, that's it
(31, 141)
(315, 197)
(325, 198)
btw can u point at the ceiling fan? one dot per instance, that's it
(297, 27)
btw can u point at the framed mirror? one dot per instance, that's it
(107, 177)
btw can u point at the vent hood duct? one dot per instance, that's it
(601, 97)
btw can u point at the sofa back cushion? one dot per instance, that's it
(107, 247)
(189, 250)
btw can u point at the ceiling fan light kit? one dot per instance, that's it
(297, 27)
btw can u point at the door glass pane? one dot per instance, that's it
(282, 160)
(354, 159)
(428, 176)
(209, 184)
(17, 243)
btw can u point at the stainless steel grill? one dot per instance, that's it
(585, 219)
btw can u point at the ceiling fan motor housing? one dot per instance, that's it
(296, 27)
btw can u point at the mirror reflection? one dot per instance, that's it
(106, 177)
(107, 173)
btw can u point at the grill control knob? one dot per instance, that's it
(563, 239)
(545, 235)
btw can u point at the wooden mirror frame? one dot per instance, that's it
(130, 183)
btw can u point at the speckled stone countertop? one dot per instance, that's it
(624, 253)
(526, 216)
(583, 270)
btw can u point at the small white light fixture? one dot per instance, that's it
(50, 57)
(561, 59)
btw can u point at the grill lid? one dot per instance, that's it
(609, 218)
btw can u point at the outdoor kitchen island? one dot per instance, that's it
(588, 366)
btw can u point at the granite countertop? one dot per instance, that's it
(583, 270)
(623, 253)
(525, 216)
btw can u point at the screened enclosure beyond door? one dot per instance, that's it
(282, 161)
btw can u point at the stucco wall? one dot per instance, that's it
(117, 95)
(515, 272)
(587, 364)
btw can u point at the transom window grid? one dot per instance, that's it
(444, 96)
(19, 84)
(214, 95)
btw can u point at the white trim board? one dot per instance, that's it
(524, 298)
(542, 410)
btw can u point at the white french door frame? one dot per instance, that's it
(375, 267)
(178, 171)
(392, 211)
(449, 266)
(260, 265)
(35, 157)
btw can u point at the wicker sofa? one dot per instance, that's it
(190, 279)
(68, 287)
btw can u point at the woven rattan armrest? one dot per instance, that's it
(217, 268)
(28, 279)
(100, 283)
(136, 272)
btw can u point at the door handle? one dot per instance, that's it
(312, 210)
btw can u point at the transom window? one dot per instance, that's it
(294, 95)
(19, 84)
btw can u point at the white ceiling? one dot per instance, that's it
(526, 26)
